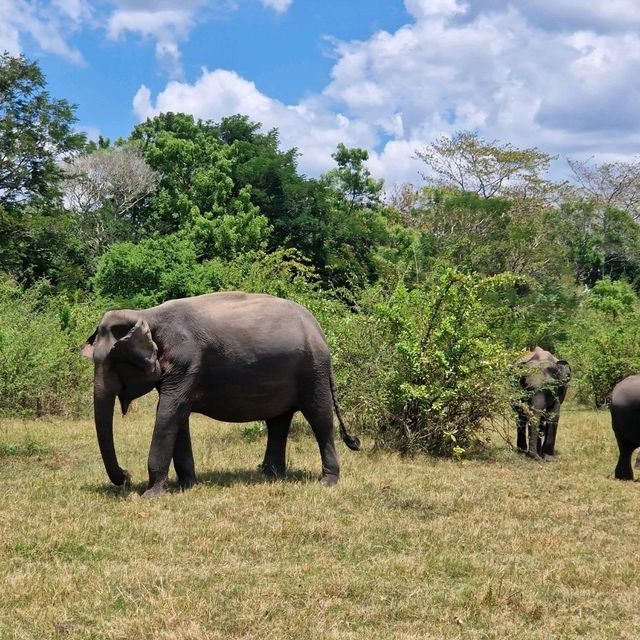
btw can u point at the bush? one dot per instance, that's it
(41, 333)
(150, 272)
(603, 343)
(422, 368)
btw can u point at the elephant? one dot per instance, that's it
(232, 356)
(544, 380)
(625, 422)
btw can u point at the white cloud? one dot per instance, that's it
(308, 126)
(48, 25)
(167, 22)
(498, 71)
(567, 15)
(421, 9)
(495, 70)
(279, 6)
(76, 10)
(560, 75)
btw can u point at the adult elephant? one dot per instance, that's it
(625, 421)
(232, 356)
(543, 379)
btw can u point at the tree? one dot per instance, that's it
(35, 133)
(352, 180)
(601, 241)
(488, 169)
(195, 170)
(611, 184)
(357, 222)
(37, 238)
(104, 188)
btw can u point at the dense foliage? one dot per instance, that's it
(426, 294)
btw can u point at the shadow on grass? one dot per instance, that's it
(220, 478)
(229, 478)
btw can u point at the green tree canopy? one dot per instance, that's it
(487, 168)
(35, 133)
(37, 239)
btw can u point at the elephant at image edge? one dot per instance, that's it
(234, 357)
(625, 421)
(544, 380)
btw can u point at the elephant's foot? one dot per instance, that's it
(156, 490)
(329, 480)
(273, 469)
(534, 455)
(549, 457)
(186, 482)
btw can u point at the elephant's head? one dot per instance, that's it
(541, 369)
(126, 365)
(563, 373)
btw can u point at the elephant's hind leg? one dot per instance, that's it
(275, 456)
(624, 471)
(320, 417)
(183, 458)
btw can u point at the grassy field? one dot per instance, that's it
(498, 547)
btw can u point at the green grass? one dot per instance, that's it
(498, 547)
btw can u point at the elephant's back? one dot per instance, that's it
(625, 409)
(626, 394)
(241, 327)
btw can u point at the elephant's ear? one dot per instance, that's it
(87, 350)
(565, 368)
(138, 348)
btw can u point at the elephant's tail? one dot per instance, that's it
(353, 442)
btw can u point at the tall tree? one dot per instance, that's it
(195, 170)
(352, 180)
(611, 184)
(486, 168)
(36, 132)
(105, 189)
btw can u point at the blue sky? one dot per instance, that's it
(387, 75)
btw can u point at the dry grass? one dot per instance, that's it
(501, 547)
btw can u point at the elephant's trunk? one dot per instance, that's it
(103, 404)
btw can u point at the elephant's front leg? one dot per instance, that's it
(523, 419)
(551, 429)
(171, 415)
(275, 463)
(535, 423)
(183, 457)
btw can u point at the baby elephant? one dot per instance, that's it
(544, 380)
(625, 421)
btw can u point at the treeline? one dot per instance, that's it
(427, 294)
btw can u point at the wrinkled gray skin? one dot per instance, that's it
(544, 380)
(234, 357)
(625, 421)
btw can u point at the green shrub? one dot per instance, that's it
(421, 369)
(41, 333)
(150, 272)
(450, 379)
(603, 342)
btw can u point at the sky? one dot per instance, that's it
(390, 76)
